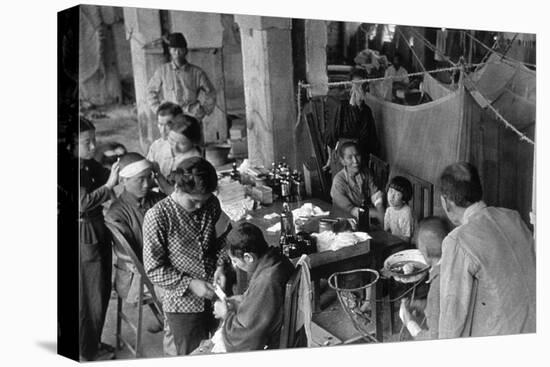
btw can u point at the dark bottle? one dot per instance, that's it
(285, 189)
(294, 249)
(286, 241)
(283, 243)
(363, 223)
(297, 187)
(235, 175)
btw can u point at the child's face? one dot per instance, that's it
(163, 123)
(395, 198)
(86, 144)
(351, 159)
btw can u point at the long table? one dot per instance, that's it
(368, 254)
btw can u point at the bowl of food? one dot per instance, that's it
(406, 266)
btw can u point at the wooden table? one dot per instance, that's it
(369, 254)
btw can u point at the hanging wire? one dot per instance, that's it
(432, 47)
(412, 49)
(498, 53)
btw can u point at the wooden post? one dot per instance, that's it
(269, 88)
(142, 28)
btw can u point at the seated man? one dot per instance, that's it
(128, 211)
(253, 321)
(354, 184)
(399, 82)
(431, 232)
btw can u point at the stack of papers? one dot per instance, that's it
(232, 199)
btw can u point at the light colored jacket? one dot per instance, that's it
(488, 275)
(182, 85)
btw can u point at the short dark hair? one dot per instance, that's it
(246, 238)
(345, 146)
(196, 175)
(169, 109)
(187, 126)
(460, 183)
(439, 228)
(402, 185)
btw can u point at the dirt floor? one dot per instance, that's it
(116, 124)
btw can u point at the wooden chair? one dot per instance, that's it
(380, 171)
(292, 334)
(149, 299)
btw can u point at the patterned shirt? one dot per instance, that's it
(182, 85)
(179, 246)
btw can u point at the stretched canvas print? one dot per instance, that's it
(241, 182)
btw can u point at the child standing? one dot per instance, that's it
(398, 219)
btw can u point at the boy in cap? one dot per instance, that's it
(181, 82)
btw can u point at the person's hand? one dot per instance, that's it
(113, 176)
(220, 310)
(355, 212)
(219, 277)
(202, 288)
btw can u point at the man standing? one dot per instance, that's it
(128, 212)
(488, 272)
(180, 82)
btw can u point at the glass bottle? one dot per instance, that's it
(363, 222)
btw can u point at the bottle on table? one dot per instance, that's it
(235, 175)
(286, 241)
(363, 222)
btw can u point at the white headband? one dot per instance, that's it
(134, 168)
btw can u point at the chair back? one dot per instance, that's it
(380, 171)
(123, 244)
(290, 330)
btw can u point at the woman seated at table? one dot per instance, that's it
(253, 321)
(354, 184)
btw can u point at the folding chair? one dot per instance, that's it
(149, 299)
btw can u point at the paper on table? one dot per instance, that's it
(271, 216)
(275, 228)
(329, 240)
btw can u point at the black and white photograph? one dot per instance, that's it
(250, 182)
(291, 185)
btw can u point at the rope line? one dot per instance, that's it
(414, 53)
(498, 53)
